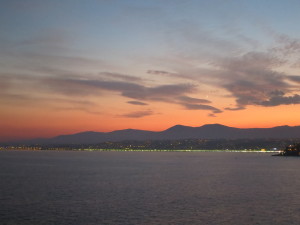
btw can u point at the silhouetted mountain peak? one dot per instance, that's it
(177, 127)
(209, 131)
(127, 131)
(215, 125)
(283, 126)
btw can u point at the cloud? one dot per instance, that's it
(294, 78)
(212, 115)
(79, 87)
(132, 90)
(248, 70)
(83, 109)
(158, 72)
(27, 99)
(138, 114)
(169, 74)
(201, 107)
(137, 103)
(170, 90)
(187, 99)
(250, 61)
(235, 108)
(251, 78)
(287, 45)
(296, 64)
(280, 99)
(196, 104)
(61, 104)
(136, 91)
(119, 76)
(193, 41)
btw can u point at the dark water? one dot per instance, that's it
(85, 188)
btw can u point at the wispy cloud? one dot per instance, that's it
(137, 103)
(201, 107)
(79, 87)
(235, 108)
(190, 100)
(138, 114)
(74, 108)
(169, 74)
(159, 72)
(119, 76)
(286, 45)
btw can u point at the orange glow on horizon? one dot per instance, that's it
(49, 123)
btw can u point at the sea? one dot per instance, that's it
(122, 188)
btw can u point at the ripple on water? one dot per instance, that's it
(85, 188)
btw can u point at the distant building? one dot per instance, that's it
(292, 150)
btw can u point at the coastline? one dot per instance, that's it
(140, 150)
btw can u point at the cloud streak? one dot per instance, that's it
(137, 103)
(201, 107)
(138, 114)
(190, 100)
(77, 87)
(118, 76)
(250, 77)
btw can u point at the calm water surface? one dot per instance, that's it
(89, 188)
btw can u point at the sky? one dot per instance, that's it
(68, 66)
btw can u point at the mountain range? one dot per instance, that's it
(209, 131)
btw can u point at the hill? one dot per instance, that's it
(178, 132)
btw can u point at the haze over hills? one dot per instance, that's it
(209, 131)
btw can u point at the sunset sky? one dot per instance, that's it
(68, 66)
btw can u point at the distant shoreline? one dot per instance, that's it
(142, 150)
